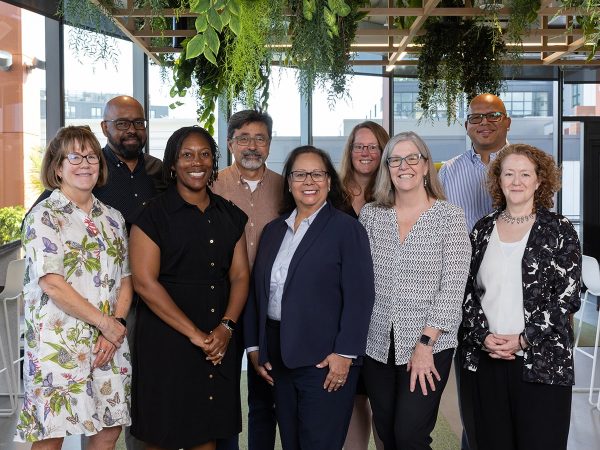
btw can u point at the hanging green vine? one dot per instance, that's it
(321, 34)
(458, 57)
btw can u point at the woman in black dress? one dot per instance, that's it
(189, 265)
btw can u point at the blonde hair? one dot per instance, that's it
(384, 190)
(66, 139)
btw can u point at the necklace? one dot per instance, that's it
(505, 215)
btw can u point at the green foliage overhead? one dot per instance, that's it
(589, 24)
(459, 57)
(10, 223)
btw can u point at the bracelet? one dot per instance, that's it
(227, 327)
(522, 335)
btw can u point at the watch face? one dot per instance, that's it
(425, 340)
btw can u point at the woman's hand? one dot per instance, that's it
(263, 371)
(104, 351)
(422, 368)
(198, 338)
(502, 346)
(339, 366)
(112, 330)
(216, 344)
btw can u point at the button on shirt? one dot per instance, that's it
(279, 272)
(464, 178)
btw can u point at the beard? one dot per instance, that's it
(251, 160)
(127, 151)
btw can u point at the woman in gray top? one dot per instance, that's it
(420, 248)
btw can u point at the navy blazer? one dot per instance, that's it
(328, 294)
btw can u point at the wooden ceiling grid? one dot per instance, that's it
(379, 43)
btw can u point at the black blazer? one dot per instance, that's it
(328, 294)
(551, 269)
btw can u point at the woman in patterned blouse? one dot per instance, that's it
(523, 285)
(420, 248)
(77, 286)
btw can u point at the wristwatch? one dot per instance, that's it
(123, 321)
(426, 340)
(229, 324)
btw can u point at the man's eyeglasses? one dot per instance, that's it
(476, 118)
(359, 148)
(316, 175)
(411, 160)
(124, 124)
(259, 141)
(76, 158)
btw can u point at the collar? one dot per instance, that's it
(474, 156)
(176, 202)
(309, 220)
(242, 180)
(112, 158)
(58, 200)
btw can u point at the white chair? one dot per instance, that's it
(10, 325)
(590, 275)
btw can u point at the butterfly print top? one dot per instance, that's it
(63, 395)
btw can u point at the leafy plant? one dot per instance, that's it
(321, 34)
(589, 24)
(10, 223)
(458, 57)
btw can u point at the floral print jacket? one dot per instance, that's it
(551, 270)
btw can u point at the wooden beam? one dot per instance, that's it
(572, 47)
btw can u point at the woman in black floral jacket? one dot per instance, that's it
(523, 285)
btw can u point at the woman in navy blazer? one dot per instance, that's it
(312, 293)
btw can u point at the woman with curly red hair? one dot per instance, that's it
(524, 283)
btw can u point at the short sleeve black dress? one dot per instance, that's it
(179, 398)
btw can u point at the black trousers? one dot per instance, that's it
(309, 417)
(511, 414)
(404, 419)
(464, 389)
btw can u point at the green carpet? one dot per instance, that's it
(588, 333)
(443, 437)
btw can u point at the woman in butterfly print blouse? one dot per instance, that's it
(77, 282)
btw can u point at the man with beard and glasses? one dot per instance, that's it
(134, 177)
(258, 191)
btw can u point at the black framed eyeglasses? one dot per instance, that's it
(259, 141)
(359, 148)
(477, 118)
(76, 158)
(124, 124)
(411, 160)
(315, 175)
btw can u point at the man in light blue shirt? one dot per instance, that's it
(464, 178)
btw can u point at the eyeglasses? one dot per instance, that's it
(188, 156)
(76, 158)
(315, 175)
(359, 148)
(411, 160)
(476, 118)
(124, 124)
(259, 141)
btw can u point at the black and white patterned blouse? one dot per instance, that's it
(419, 282)
(551, 268)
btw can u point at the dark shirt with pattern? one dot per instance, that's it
(551, 272)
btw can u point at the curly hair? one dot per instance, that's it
(174, 146)
(548, 174)
(346, 168)
(334, 196)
